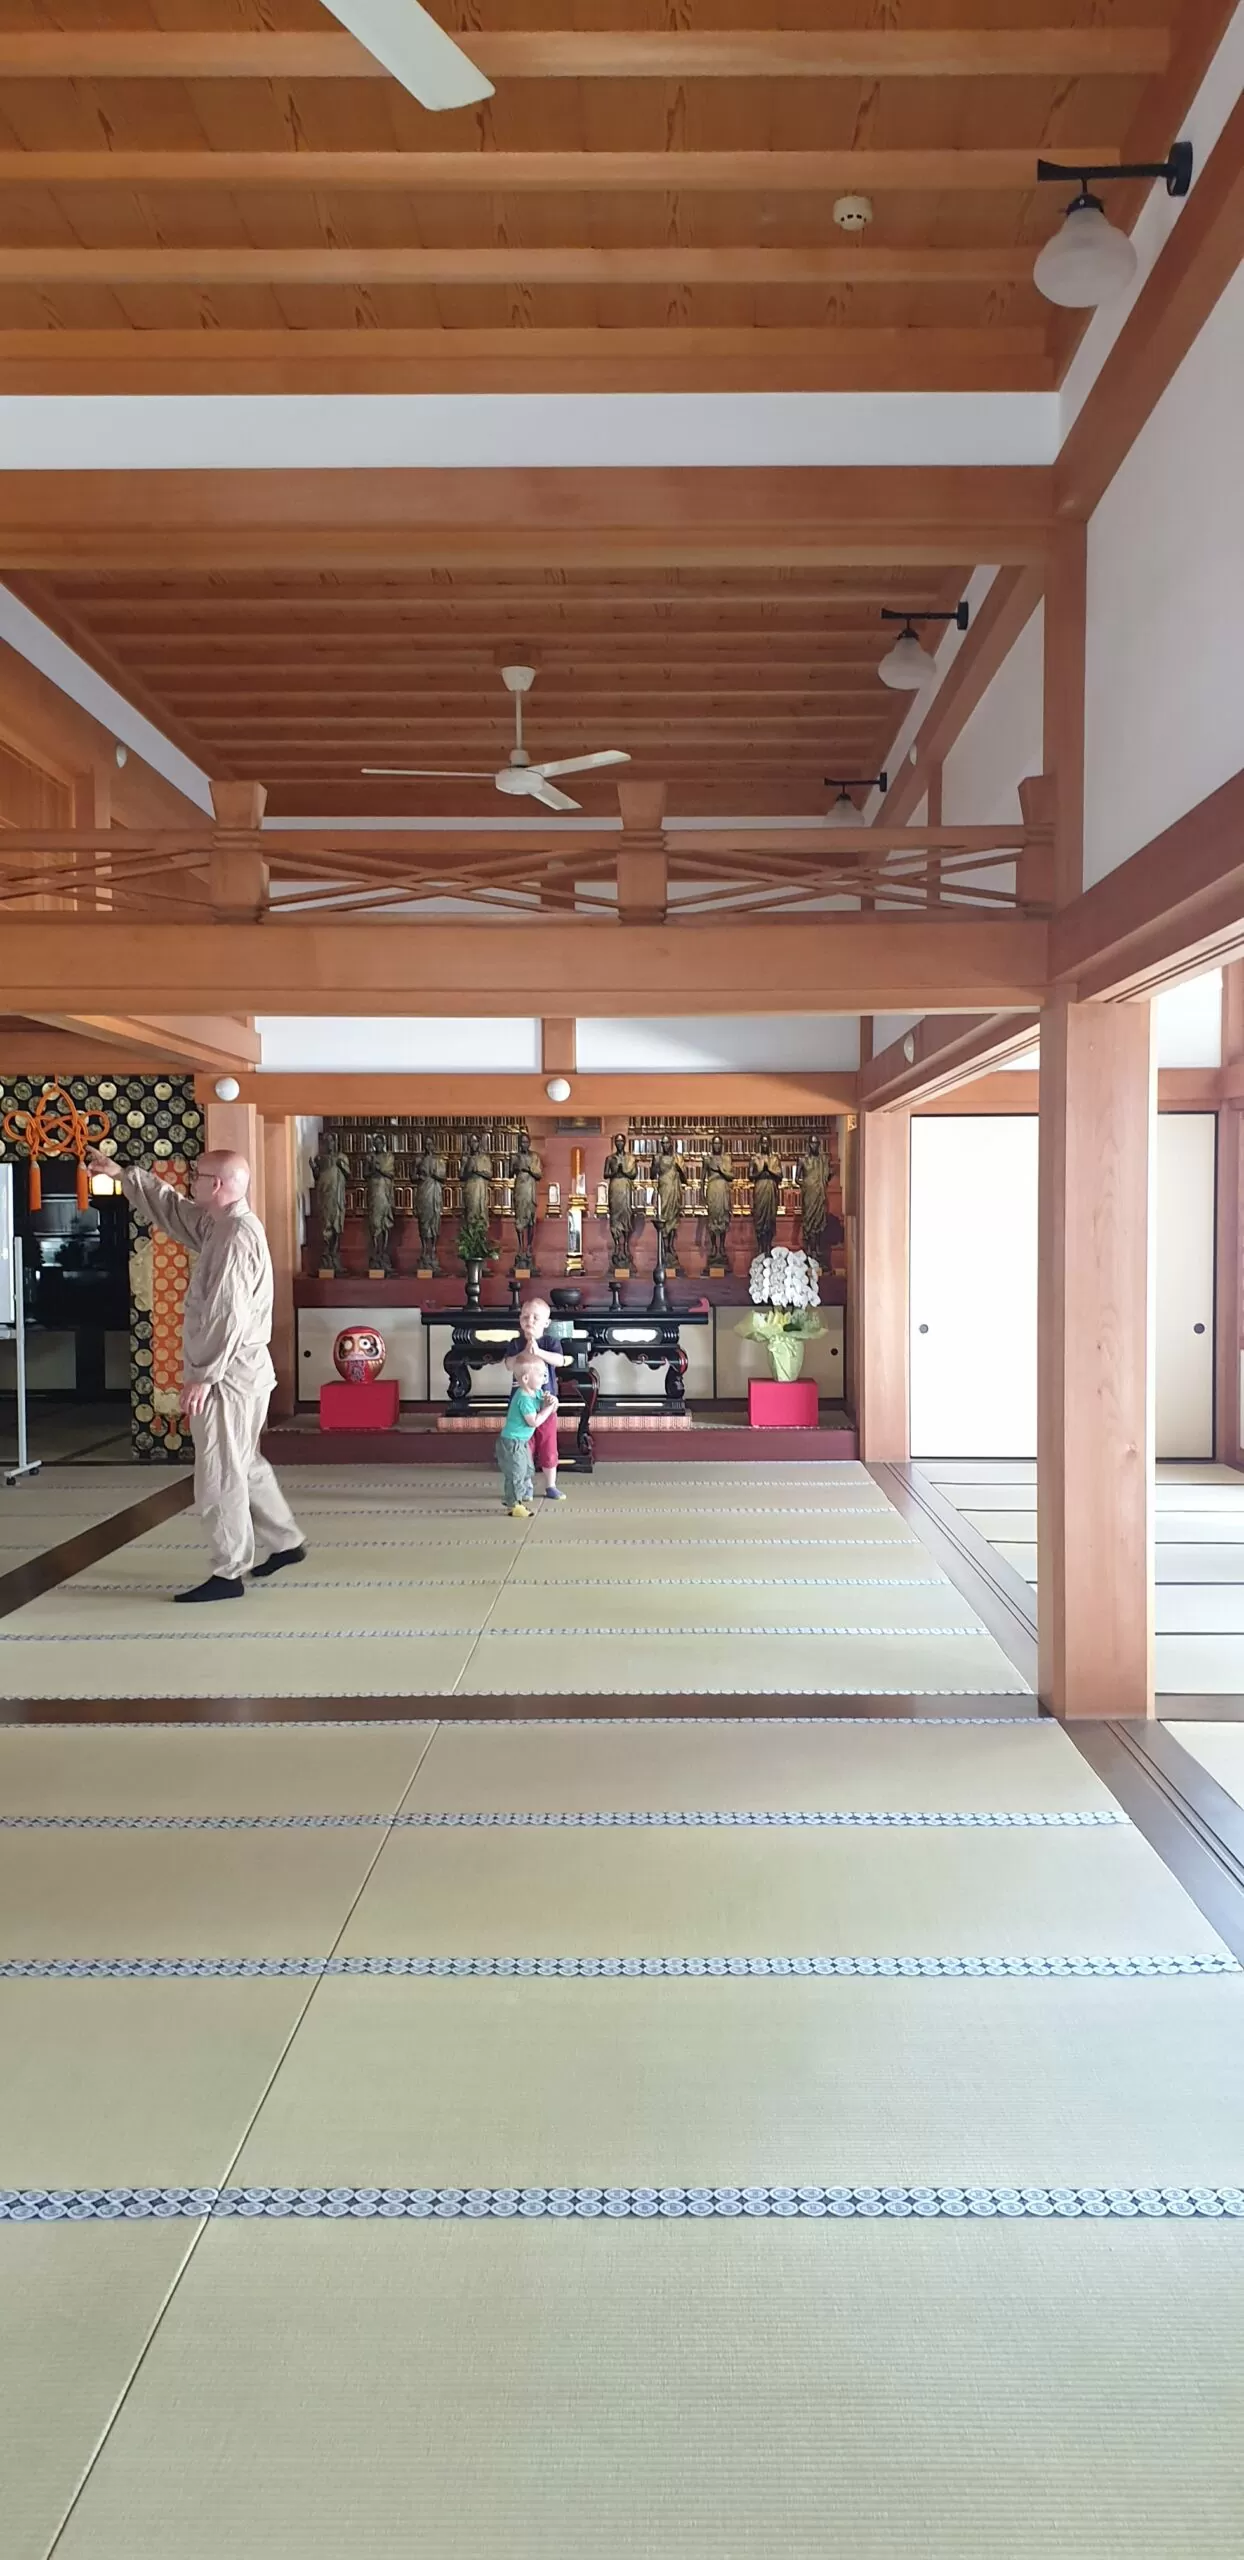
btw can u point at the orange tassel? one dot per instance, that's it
(35, 1193)
(84, 1186)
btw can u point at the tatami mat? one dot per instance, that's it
(1198, 1558)
(740, 1582)
(74, 1769)
(758, 1893)
(486, 2083)
(77, 2307)
(708, 1766)
(769, 2392)
(738, 1663)
(135, 2083)
(1220, 1750)
(134, 1893)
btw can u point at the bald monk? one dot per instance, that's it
(226, 1327)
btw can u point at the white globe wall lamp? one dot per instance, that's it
(843, 811)
(226, 1088)
(558, 1089)
(905, 666)
(1088, 261)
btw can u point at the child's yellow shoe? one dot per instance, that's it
(519, 1511)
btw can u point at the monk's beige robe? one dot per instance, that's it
(226, 1329)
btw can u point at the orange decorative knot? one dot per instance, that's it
(56, 1127)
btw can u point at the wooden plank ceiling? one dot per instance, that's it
(741, 691)
(248, 203)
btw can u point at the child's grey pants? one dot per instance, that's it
(518, 1483)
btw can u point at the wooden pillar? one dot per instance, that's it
(280, 1164)
(1229, 1233)
(1063, 698)
(236, 1128)
(1094, 1389)
(882, 1295)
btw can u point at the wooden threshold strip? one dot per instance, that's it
(766, 1707)
(1196, 1828)
(1000, 1598)
(57, 1564)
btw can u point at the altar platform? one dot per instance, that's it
(714, 1430)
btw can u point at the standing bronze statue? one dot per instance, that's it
(621, 1174)
(671, 1186)
(527, 1171)
(718, 1203)
(378, 1174)
(475, 1175)
(813, 1179)
(429, 1208)
(766, 1181)
(331, 1173)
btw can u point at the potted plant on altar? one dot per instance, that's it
(475, 1248)
(785, 1289)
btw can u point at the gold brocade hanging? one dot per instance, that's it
(56, 1127)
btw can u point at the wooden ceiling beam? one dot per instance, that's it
(932, 171)
(949, 1051)
(387, 519)
(1193, 269)
(996, 357)
(180, 1040)
(570, 53)
(363, 263)
(1175, 907)
(845, 963)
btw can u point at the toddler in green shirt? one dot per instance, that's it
(529, 1406)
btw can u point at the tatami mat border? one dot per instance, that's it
(1098, 1818)
(1146, 1968)
(533, 1724)
(638, 2204)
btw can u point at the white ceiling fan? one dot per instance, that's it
(520, 779)
(414, 49)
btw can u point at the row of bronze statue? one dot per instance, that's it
(766, 1173)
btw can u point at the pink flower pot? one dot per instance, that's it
(773, 1404)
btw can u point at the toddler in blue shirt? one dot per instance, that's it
(530, 1404)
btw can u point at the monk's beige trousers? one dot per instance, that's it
(236, 1494)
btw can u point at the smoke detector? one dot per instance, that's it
(853, 213)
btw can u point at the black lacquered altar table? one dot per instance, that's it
(649, 1337)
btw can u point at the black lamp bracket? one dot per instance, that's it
(856, 782)
(1176, 169)
(958, 614)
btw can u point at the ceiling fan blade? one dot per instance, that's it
(415, 50)
(584, 764)
(423, 773)
(549, 798)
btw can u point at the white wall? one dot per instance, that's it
(402, 1044)
(708, 1043)
(1165, 571)
(1187, 1023)
(1002, 742)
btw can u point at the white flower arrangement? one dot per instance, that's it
(785, 1289)
(783, 1278)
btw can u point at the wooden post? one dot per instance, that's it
(1063, 677)
(1229, 1234)
(1034, 870)
(92, 812)
(933, 818)
(882, 1359)
(643, 862)
(280, 1166)
(558, 1045)
(1094, 1391)
(236, 1128)
(237, 872)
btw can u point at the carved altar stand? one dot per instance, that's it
(648, 1337)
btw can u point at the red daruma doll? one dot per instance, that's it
(359, 1355)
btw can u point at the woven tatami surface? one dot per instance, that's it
(796, 1580)
(299, 2382)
